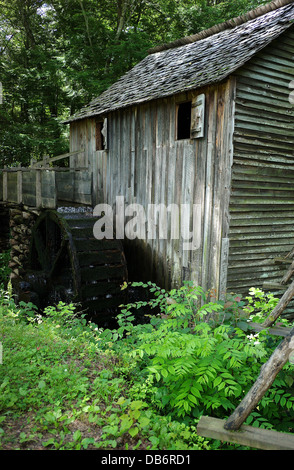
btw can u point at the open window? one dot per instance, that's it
(101, 134)
(184, 120)
(190, 118)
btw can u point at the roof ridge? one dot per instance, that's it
(232, 23)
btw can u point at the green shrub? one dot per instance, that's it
(4, 267)
(260, 304)
(193, 359)
(55, 375)
(142, 385)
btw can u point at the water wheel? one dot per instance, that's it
(67, 263)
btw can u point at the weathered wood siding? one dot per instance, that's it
(147, 165)
(83, 136)
(241, 173)
(262, 199)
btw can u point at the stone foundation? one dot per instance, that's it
(21, 223)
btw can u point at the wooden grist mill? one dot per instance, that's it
(206, 122)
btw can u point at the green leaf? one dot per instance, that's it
(41, 384)
(221, 385)
(49, 442)
(126, 423)
(133, 431)
(192, 399)
(283, 401)
(77, 435)
(144, 421)
(164, 373)
(171, 370)
(277, 398)
(195, 392)
(121, 400)
(86, 441)
(217, 381)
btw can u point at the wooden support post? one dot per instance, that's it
(19, 186)
(54, 191)
(264, 381)
(38, 189)
(4, 185)
(288, 274)
(280, 307)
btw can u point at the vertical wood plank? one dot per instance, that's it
(211, 116)
(19, 187)
(4, 185)
(38, 189)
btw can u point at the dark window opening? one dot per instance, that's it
(184, 120)
(99, 136)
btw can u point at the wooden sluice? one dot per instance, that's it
(53, 252)
(42, 186)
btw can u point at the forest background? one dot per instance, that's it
(55, 56)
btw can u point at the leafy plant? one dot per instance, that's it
(4, 267)
(260, 304)
(68, 384)
(64, 388)
(194, 359)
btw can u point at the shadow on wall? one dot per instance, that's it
(144, 264)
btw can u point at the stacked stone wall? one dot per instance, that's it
(21, 224)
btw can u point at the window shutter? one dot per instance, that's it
(101, 134)
(197, 117)
(104, 133)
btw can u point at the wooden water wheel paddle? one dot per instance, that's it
(67, 263)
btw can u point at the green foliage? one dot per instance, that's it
(194, 16)
(57, 55)
(260, 304)
(4, 267)
(61, 385)
(193, 359)
(69, 384)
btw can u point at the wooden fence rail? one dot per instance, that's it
(45, 187)
(46, 161)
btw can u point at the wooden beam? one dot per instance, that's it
(288, 274)
(47, 160)
(247, 435)
(274, 286)
(38, 189)
(280, 260)
(4, 185)
(19, 186)
(280, 307)
(275, 331)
